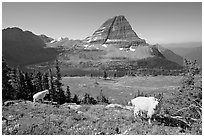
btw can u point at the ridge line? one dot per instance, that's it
(110, 29)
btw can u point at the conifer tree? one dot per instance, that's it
(115, 75)
(101, 98)
(14, 81)
(68, 95)
(45, 81)
(60, 93)
(18, 81)
(7, 89)
(75, 99)
(58, 78)
(190, 70)
(30, 89)
(21, 85)
(38, 82)
(190, 92)
(105, 75)
(51, 86)
(86, 99)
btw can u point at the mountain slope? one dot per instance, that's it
(170, 55)
(23, 47)
(45, 38)
(65, 43)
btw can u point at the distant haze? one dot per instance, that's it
(183, 45)
(155, 22)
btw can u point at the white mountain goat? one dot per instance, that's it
(149, 105)
(40, 95)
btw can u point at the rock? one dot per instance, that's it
(71, 106)
(10, 118)
(4, 121)
(50, 102)
(79, 112)
(119, 106)
(114, 105)
(28, 102)
(117, 31)
(8, 103)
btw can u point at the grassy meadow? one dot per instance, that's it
(122, 89)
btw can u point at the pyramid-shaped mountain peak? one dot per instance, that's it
(116, 30)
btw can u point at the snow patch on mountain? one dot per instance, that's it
(115, 40)
(104, 45)
(53, 41)
(59, 39)
(131, 49)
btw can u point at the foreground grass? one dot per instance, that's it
(24, 117)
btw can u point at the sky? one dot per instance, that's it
(168, 22)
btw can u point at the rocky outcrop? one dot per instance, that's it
(117, 31)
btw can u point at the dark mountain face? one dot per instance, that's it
(22, 38)
(23, 47)
(45, 38)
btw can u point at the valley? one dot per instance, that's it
(120, 90)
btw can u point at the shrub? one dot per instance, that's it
(88, 99)
(105, 75)
(102, 98)
(75, 99)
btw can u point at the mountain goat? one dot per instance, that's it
(40, 95)
(149, 105)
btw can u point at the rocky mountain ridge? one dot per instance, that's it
(116, 31)
(45, 38)
(117, 37)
